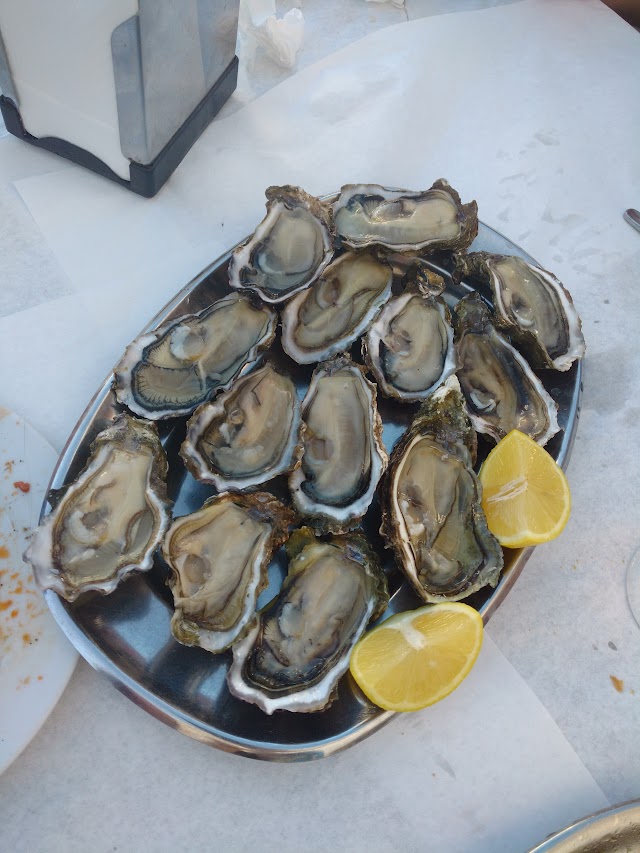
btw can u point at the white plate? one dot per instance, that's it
(36, 659)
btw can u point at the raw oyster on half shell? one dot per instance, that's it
(432, 511)
(409, 347)
(219, 557)
(288, 250)
(248, 434)
(110, 521)
(403, 220)
(299, 647)
(501, 391)
(170, 371)
(329, 316)
(343, 455)
(531, 305)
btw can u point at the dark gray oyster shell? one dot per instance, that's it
(299, 647)
(170, 371)
(432, 510)
(289, 248)
(500, 389)
(409, 347)
(343, 454)
(219, 557)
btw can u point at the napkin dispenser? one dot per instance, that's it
(123, 87)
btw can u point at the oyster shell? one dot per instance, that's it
(170, 371)
(331, 314)
(501, 391)
(343, 454)
(299, 647)
(432, 511)
(219, 557)
(409, 347)
(288, 250)
(248, 435)
(111, 519)
(369, 214)
(531, 305)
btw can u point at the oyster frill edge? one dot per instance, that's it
(299, 646)
(432, 514)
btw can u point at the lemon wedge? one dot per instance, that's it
(525, 494)
(416, 658)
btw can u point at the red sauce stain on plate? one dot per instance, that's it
(24, 487)
(4, 552)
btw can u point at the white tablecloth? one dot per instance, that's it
(532, 108)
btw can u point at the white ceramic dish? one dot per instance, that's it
(36, 659)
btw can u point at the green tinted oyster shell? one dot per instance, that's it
(110, 520)
(432, 510)
(288, 250)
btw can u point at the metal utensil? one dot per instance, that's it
(632, 217)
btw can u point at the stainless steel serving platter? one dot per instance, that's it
(614, 830)
(126, 635)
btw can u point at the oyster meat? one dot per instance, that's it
(531, 305)
(331, 314)
(501, 391)
(110, 521)
(288, 250)
(369, 214)
(248, 435)
(170, 371)
(343, 454)
(219, 557)
(432, 511)
(298, 649)
(409, 347)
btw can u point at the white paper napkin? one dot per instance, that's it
(484, 771)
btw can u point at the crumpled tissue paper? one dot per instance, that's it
(281, 38)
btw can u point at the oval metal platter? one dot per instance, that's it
(126, 635)
(614, 830)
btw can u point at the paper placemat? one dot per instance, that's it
(485, 770)
(402, 107)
